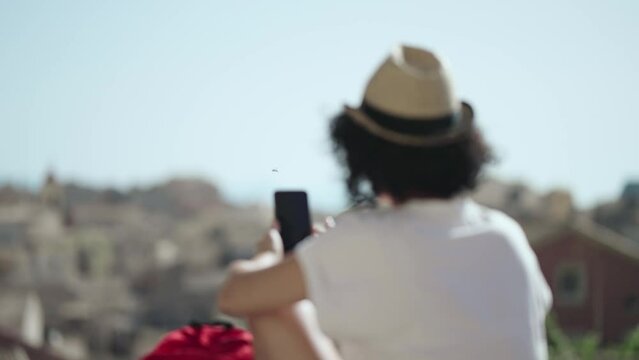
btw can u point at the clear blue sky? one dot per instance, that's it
(132, 92)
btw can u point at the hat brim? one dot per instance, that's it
(458, 132)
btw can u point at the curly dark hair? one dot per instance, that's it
(375, 166)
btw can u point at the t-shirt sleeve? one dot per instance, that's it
(319, 259)
(339, 277)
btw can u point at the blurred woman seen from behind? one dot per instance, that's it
(427, 273)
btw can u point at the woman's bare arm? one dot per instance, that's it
(262, 284)
(267, 291)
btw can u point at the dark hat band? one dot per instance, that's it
(413, 126)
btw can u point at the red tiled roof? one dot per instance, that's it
(544, 233)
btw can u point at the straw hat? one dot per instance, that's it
(410, 100)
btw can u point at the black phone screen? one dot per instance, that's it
(291, 211)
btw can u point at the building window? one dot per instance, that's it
(571, 284)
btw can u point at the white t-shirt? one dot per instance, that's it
(429, 280)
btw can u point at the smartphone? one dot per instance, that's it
(291, 211)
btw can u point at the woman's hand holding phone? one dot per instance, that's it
(320, 228)
(271, 241)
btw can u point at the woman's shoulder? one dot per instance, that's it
(366, 212)
(354, 231)
(501, 221)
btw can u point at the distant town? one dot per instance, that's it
(92, 273)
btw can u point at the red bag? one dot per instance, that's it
(200, 341)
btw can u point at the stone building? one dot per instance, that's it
(594, 276)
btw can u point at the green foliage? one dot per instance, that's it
(560, 346)
(629, 349)
(588, 347)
